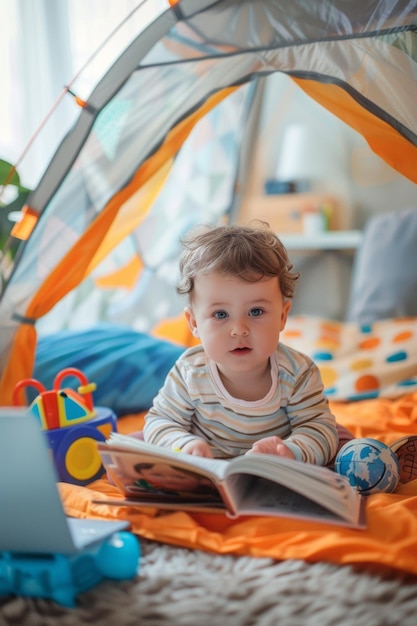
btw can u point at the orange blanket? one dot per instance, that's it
(389, 540)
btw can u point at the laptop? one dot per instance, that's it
(32, 517)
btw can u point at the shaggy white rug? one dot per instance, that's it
(193, 588)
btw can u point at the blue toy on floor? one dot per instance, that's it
(62, 577)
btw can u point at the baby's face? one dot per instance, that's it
(238, 322)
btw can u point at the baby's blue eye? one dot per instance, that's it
(256, 312)
(221, 315)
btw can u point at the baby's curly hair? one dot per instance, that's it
(249, 253)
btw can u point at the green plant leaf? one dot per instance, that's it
(5, 170)
(7, 173)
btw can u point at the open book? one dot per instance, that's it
(253, 484)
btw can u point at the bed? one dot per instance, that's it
(201, 568)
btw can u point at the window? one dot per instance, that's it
(45, 44)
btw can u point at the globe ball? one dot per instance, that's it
(370, 465)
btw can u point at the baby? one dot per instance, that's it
(241, 391)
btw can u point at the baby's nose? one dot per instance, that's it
(239, 329)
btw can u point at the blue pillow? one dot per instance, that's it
(128, 367)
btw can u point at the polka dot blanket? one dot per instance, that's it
(358, 361)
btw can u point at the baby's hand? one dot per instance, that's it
(198, 447)
(271, 445)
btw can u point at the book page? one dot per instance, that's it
(157, 479)
(317, 483)
(265, 497)
(212, 468)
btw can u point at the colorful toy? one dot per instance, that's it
(72, 424)
(61, 577)
(370, 465)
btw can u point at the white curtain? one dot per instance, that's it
(44, 67)
(44, 44)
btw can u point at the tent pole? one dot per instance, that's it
(248, 148)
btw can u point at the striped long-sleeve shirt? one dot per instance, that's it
(194, 403)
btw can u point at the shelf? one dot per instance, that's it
(283, 212)
(328, 240)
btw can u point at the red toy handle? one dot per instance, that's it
(69, 371)
(85, 389)
(26, 382)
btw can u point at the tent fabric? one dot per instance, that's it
(198, 60)
(390, 539)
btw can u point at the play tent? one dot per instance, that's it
(162, 143)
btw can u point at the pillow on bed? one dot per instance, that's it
(358, 361)
(384, 279)
(128, 367)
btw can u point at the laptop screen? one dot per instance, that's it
(32, 518)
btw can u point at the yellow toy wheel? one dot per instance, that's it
(76, 456)
(82, 459)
